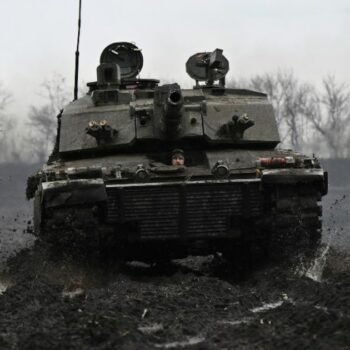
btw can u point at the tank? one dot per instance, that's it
(147, 172)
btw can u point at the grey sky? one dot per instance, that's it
(38, 37)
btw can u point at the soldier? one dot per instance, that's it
(177, 157)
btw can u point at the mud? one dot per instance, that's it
(195, 303)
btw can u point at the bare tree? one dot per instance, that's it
(269, 84)
(329, 115)
(7, 126)
(42, 119)
(5, 99)
(291, 100)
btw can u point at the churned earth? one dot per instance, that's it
(195, 303)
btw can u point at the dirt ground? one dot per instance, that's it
(196, 303)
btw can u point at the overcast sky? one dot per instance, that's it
(38, 37)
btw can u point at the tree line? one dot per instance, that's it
(32, 139)
(310, 119)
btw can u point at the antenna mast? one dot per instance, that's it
(77, 56)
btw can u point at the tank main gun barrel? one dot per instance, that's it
(172, 111)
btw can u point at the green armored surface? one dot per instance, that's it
(158, 172)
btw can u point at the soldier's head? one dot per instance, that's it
(177, 157)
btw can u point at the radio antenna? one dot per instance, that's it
(77, 56)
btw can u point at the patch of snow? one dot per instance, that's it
(322, 308)
(73, 293)
(267, 306)
(235, 322)
(181, 344)
(153, 328)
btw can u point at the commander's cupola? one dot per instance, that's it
(120, 65)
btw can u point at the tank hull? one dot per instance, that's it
(173, 219)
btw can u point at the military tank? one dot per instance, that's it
(112, 182)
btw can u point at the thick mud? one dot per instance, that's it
(196, 303)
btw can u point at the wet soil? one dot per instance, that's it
(195, 303)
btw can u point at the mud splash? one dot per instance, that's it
(3, 286)
(315, 271)
(314, 268)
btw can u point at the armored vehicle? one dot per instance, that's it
(110, 182)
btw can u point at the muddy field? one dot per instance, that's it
(196, 303)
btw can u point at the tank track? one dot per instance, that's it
(73, 230)
(296, 223)
(291, 229)
(80, 232)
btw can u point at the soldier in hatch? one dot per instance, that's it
(177, 157)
